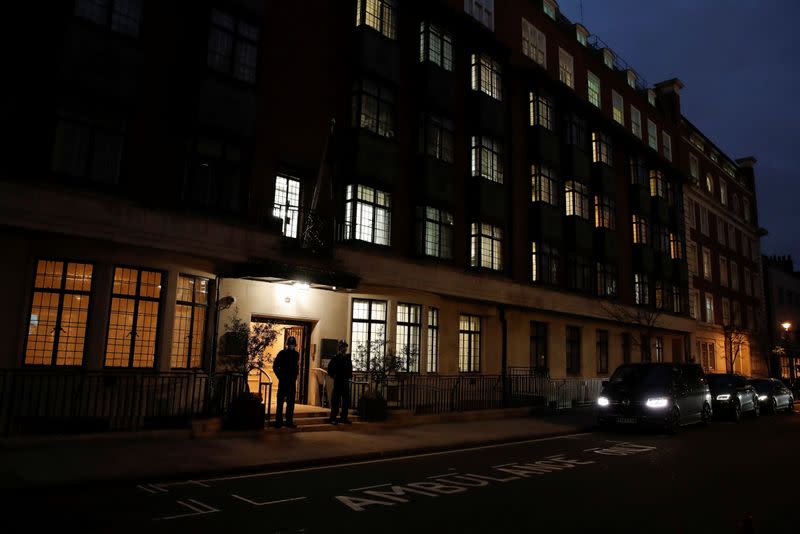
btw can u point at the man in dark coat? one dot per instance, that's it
(286, 367)
(341, 370)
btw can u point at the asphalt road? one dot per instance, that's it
(701, 480)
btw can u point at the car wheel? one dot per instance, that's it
(705, 414)
(674, 421)
(737, 411)
(756, 408)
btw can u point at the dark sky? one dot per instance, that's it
(738, 62)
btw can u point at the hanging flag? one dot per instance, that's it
(318, 228)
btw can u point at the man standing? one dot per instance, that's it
(286, 367)
(341, 370)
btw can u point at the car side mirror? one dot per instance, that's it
(604, 383)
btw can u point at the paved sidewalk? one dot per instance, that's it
(149, 460)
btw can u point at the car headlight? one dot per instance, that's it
(658, 402)
(723, 397)
(602, 401)
(762, 397)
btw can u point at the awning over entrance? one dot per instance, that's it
(273, 271)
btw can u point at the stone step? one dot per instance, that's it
(325, 427)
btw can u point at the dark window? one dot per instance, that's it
(544, 185)
(59, 313)
(579, 273)
(123, 16)
(573, 339)
(606, 280)
(373, 107)
(602, 351)
(191, 310)
(435, 232)
(638, 172)
(659, 349)
(575, 129)
(644, 345)
(544, 263)
(233, 46)
(213, 178)
(538, 356)
(436, 137)
(133, 324)
(88, 149)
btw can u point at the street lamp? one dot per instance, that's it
(786, 327)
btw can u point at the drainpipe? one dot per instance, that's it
(213, 360)
(504, 353)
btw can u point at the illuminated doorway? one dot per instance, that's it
(285, 329)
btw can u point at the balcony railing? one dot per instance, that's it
(305, 229)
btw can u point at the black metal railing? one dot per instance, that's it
(265, 390)
(34, 401)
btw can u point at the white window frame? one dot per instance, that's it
(566, 68)
(618, 107)
(534, 43)
(593, 89)
(550, 8)
(636, 122)
(652, 135)
(367, 210)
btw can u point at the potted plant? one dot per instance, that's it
(378, 365)
(243, 349)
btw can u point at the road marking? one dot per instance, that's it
(395, 459)
(371, 487)
(444, 475)
(153, 488)
(254, 503)
(199, 508)
(504, 465)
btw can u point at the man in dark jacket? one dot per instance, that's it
(286, 367)
(341, 370)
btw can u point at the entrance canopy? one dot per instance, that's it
(267, 270)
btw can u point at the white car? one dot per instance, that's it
(773, 395)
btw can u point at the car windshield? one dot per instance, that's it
(646, 375)
(720, 381)
(762, 386)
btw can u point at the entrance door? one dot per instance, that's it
(299, 333)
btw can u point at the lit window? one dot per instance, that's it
(368, 333)
(694, 167)
(632, 79)
(652, 135)
(367, 215)
(433, 340)
(549, 8)
(487, 158)
(636, 122)
(189, 331)
(608, 58)
(565, 68)
(676, 246)
(233, 46)
(435, 232)
(486, 76)
(486, 246)
(723, 192)
(123, 16)
(544, 263)
(601, 148)
(707, 264)
(659, 349)
(604, 212)
(640, 229)
(651, 97)
(436, 137)
(534, 43)
(481, 10)
(593, 88)
(657, 184)
(378, 15)
(707, 357)
(541, 110)
(373, 107)
(133, 325)
(407, 336)
(641, 290)
(435, 45)
(59, 313)
(618, 107)
(577, 199)
(666, 141)
(709, 309)
(286, 205)
(581, 35)
(709, 183)
(544, 185)
(469, 344)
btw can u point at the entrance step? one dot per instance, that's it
(325, 427)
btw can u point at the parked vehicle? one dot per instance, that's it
(664, 395)
(732, 395)
(773, 395)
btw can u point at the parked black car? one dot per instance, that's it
(773, 395)
(664, 395)
(732, 395)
